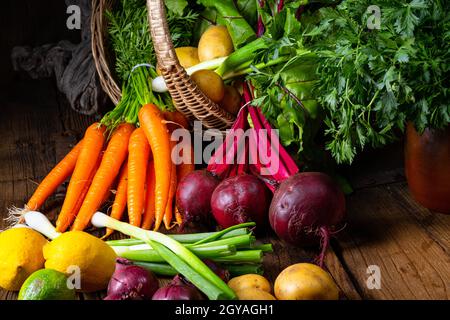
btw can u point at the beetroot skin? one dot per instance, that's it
(305, 208)
(240, 199)
(194, 196)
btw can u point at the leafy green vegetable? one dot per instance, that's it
(130, 36)
(373, 81)
(176, 6)
(240, 31)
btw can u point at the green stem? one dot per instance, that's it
(244, 256)
(240, 241)
(161, 269)
(248, 69)
(225, 231)
(183, 238)
(151, 255)
(240, 269)
(212, 291)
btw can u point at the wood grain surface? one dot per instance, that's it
(385, 227)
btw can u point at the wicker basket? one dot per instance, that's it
(187, 97)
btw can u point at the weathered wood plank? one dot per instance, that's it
(382, 232)
(436, 224)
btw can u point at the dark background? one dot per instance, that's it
(29, 23)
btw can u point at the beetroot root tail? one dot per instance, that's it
(325, 234)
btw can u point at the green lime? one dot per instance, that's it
(46, 284)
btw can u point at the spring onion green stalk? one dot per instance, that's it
(151, 255)
(244, 256)
(159, 84)
(162, 269)
(240, 241)
(178, 256)
(212, 291)
(183, 238)
(266, 247)
(240, 269)
(219, 234)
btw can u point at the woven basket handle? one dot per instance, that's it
(159, 30)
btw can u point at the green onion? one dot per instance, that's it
(244, 256)
(240, 269)
(151, 255)
(239, 241)
(225, 231)
(162, 269)
(178, 256)
(212, 291)
(183, 238)
(266, 247)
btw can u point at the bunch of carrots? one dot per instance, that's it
(129, 149)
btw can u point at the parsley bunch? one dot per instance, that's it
(371, 82)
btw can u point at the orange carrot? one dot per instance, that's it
(139, 153)
(54, 178)
(184, 168)
(85, 190)
(149, 211)
(120, 200)
(178, 217)
(153, 124)
(113, 158)
(91, 149)
(172, 190)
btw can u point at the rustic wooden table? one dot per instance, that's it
(409, 244)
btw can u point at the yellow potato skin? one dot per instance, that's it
(210, 83)
(305, 281)
(254, 294)
(214, 43)
(187, 56)
(249, 281)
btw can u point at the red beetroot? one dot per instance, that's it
(240, 199)
(305, 208)
(194, 196)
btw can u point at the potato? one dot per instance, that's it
(231, 101)
(210, 83)
(188, 56)
(305, 281)
(249, 281)
(254, 294)
(215, 42)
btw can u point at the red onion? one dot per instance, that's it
(178, 289)
(224, 274)
(130, 282)
(305, 208)
(240, 199)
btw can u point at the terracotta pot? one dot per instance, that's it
(427, 166)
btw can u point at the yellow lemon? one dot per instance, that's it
(77, 249)
(20, 256)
